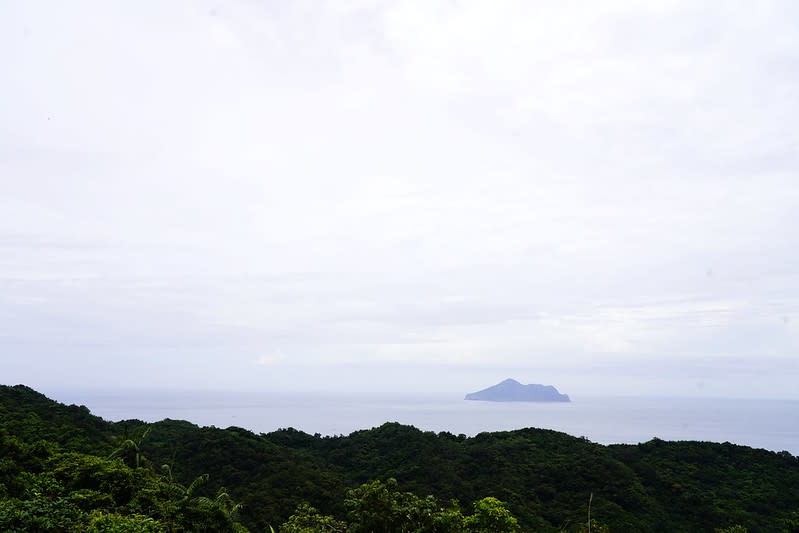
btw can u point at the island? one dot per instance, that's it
(511, 390)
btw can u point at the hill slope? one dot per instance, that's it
(544, 476)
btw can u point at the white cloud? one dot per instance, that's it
(420, 183)
(272, 359)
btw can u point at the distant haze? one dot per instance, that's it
(400, 196)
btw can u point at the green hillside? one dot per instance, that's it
(86, 472)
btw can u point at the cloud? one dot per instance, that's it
(272, 359)
(504, 185)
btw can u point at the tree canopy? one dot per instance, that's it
(63, 469)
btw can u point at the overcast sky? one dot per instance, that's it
(396, 195)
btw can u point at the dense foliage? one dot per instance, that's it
(63, 469)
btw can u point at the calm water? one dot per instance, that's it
(770, 424)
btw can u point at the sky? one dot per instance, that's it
(386, 196)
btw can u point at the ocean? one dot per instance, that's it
(769, 424)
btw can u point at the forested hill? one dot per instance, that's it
(111, 472)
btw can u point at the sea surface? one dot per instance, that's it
(769, 424)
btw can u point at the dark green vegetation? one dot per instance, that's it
(63, 469)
